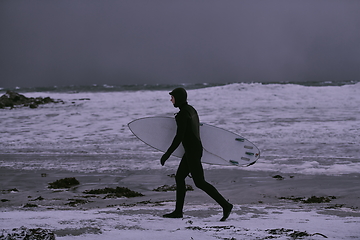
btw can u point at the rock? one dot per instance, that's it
(24, 233)
(13, 99)
(33, 105)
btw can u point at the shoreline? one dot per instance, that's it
(239, 186)
(264, 207)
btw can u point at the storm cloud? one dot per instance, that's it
(123, 42)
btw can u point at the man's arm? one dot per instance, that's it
(180, 132)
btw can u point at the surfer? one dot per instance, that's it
(187, 133)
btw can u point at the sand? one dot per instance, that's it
(264, 207)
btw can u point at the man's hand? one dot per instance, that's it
(164, 158)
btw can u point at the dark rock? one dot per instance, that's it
(24, 233)
(33, 105)
(13, 99)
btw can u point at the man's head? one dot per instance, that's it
(180, 96)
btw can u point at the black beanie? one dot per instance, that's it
(180, 96)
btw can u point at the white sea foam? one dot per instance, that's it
(313, 130)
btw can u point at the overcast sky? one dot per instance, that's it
(82, 42)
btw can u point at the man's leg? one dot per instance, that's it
(197, 173)
(181, 174)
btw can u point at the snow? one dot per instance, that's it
(144, 222)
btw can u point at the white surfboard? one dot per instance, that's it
(221, 147)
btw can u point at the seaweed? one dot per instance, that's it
(315, 199)
(40, 198)
(295, 199)
(75, 202)
(278, 177)
(64, 183)
(291, 233)
(115, 192)
(12, 190)
(312, 199)
(166, 188)
(30, 205)
(27, 233)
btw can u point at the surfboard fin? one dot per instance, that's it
(251, 164)
(234, 162)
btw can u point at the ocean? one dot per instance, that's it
(308, 128)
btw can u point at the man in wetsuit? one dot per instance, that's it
(187, 121)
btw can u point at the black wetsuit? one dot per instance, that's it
(187, 121)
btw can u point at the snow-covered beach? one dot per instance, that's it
(308, 135)
(265, 207)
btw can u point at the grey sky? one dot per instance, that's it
(122, 42)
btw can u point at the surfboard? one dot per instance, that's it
(221, 147)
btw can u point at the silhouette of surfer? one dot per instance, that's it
(187, 133)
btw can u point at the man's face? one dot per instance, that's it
(172, 99)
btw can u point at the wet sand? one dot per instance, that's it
(239, 186)
(26, 191)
